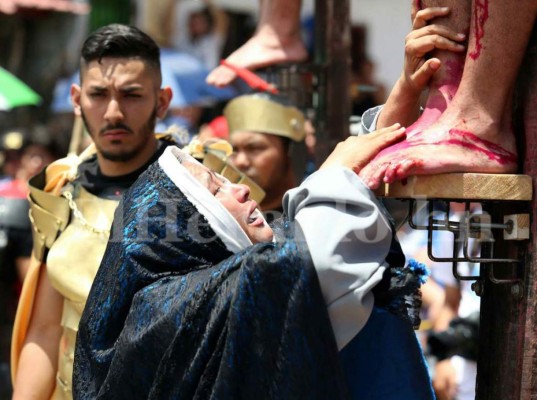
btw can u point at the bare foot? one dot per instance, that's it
(454, 143)
(263, 49)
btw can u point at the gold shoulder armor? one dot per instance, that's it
(49, 212)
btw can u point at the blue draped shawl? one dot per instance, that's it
(172, 314)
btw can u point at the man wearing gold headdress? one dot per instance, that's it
(267, 135)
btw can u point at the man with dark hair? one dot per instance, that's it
(73, 201)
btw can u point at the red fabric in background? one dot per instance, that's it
(13, 189)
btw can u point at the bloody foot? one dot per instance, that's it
(469, 145)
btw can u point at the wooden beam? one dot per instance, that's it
(461, 186)
(507, 358)
(332, 59)
(527, 118)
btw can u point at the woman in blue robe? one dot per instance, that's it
(185, 306)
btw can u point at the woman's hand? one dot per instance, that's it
(356, 151)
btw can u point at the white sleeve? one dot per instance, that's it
(348, 236)
(368, 121)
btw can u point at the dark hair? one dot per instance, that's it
(123, 41)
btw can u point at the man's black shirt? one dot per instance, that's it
(112, 187)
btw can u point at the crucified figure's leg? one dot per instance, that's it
(277, 39)
(473, 133)
(446, 80)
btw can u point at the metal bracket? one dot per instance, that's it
(472, 234)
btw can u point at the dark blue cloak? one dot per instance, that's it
(172, 314)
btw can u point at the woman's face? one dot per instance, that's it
(235, 198)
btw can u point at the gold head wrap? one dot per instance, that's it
(213, 154)
(265, 113)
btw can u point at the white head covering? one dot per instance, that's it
(220, 220)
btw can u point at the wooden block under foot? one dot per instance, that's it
(461, 186)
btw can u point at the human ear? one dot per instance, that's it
(164, 98)
(75, 99)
